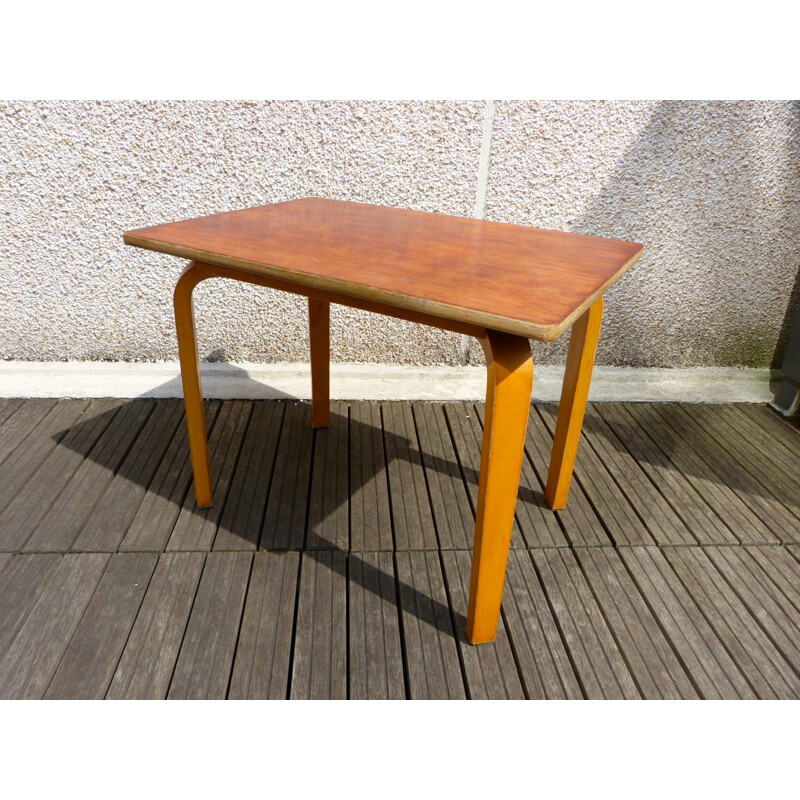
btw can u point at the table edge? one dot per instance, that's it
(542, 333)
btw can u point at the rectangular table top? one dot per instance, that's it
(510, 278)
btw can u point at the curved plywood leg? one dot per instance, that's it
(190, 376)
(575, 391)
(508, 397)
(319, 326)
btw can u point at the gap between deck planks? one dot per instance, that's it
(335, 563)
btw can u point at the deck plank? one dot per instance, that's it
(336, 562)
(726, 470)
(763, 471)
(449, 501)
(781, 569)
(152, 525)
(543, 662)
(319, 669)
(89, 662)
(370, 512)
(35, 483)
(713, 671)
(109, 521)
(329, 498)
(240, 526)
(263, 653)
(765, 669)
(623, 524)
(787, 435)
(148, 660)
(412, 517)
(60, 527)
(375, 653)
(581, 524)
(599, 664)
(19, 422)
(205, 660)
(490, 670)
(284, 525)
(21, 584)
(432, 664)
(683, 496)
(663, 524)
(196, 528)
(32, 658)
(536, 524)
(741, 426)
(467, 435)
(746, 525)
(764, 603)
(8, 406)
(648, 653)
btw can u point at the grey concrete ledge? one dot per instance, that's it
(373, 382)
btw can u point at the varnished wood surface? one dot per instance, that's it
(508, 400)
(574, 393)
(336, 564)
(511, 278)
(190, 378)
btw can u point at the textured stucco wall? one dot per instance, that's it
(711, 189)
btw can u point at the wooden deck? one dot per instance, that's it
(335, 563)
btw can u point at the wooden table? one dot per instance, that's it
(502, 284)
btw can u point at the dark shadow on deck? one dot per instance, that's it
(238, 533)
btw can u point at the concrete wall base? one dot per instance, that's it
(374, 382)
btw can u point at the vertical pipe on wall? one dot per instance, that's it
(480, 194)
(787, 399)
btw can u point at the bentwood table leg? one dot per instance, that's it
(508, 397)
(190, 376)
(319, 325)
(578, 376)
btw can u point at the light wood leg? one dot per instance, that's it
(319, 327)
(190, 376)
(575, 391)
(508, 397)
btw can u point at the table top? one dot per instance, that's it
(510, 278)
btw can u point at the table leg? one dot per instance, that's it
(508, 397)
(190, 376)
(578, 376)
(319, 326)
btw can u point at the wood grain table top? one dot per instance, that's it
(510, 278)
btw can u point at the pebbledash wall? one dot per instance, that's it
(711, 188)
